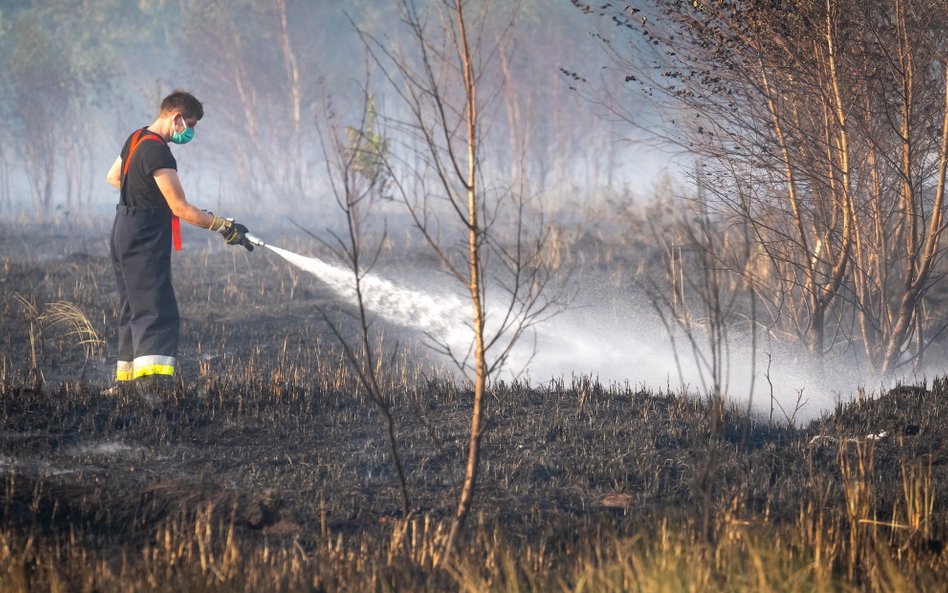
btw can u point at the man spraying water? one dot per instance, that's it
(147, 219)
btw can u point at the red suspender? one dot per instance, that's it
(137, 139)
(176, 232)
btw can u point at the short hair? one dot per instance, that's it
(183, 102)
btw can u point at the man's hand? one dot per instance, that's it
(233, 232)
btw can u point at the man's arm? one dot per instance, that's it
(170, 186)
(114, 178)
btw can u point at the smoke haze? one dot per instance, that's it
(271, 73)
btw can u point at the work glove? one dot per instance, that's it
(233, 232)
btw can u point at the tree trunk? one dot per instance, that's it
(293, 79)
(475, 287)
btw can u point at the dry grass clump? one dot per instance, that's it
(204, 554)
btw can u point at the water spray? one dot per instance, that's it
(583, 341)
(439, 316)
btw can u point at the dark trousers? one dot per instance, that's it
(149, 324)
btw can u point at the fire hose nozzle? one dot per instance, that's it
(255, 240)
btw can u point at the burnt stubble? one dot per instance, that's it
(265, 451)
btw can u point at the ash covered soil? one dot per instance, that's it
(267, 428)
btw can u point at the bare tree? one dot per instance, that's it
(296, 98)
(447, 84)
(901, 119)
(40, 82)
(354, 166)
(54, 71)
(797, 114)
(258, 77)
(697, 297)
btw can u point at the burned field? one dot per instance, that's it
(266, 469)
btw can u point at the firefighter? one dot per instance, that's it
(151, 204)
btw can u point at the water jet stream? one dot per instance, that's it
(614, 344)
(442, 317)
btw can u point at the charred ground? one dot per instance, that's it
(267, 432)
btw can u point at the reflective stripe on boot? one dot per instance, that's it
(154, 364)
(124, 371)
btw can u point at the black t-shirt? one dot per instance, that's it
(139, 189)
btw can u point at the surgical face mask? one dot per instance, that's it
(182, 137)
